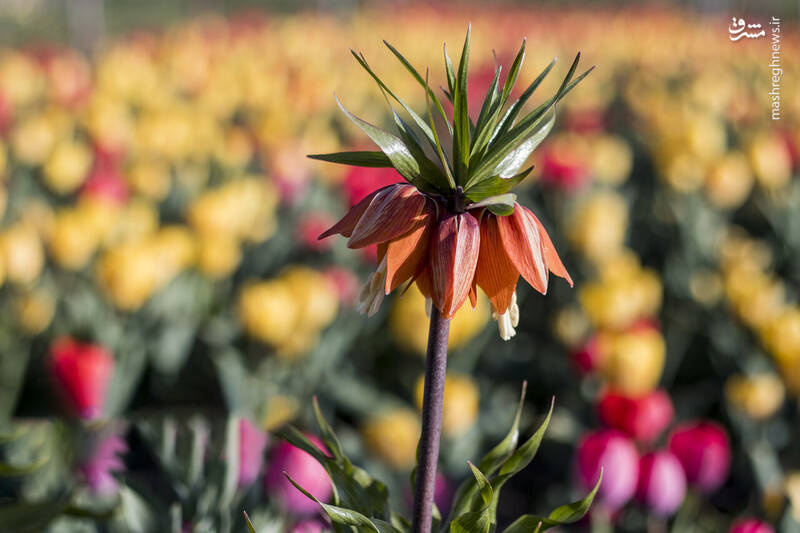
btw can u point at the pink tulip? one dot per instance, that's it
(103, 461)
(751, 525)
(614, 453)
(82, 372)
(704, 451)
(644, 418)
(662, 483)
(252, 442)
(305, 470)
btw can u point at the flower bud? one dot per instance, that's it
(751, 525)
(641, 417)
(302, 468)
(613, 453)
(662, 483)
(252, 442)
(83, 372)
(704, 451)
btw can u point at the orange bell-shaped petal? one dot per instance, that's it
(454, 256)
(393, 212)
(519, 234)
(495, 274)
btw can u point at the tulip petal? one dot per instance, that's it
(395, 211)
(455, 242)
(554, 263)
(404, 256)
(348, 222)
(522, 242)
(495, 274)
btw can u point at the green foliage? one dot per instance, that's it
(486, 155)
(361, 502)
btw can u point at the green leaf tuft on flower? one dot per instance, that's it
(487, 155)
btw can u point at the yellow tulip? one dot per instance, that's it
(757, 396)
(67, 166)
(392, 436)
(268, 311)
(23, 253)
(34, 310)
(632, 361)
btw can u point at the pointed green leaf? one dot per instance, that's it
(439, 151)
(357, 159)
(296, 438)
(566, 514)
(451, 74)
(347, 517)
(327, 434)
(461, 137)
(502, 204)
(506, 447)
(523, 455)
(250, 526)
(483, 486)
(494, 186)
(513, 72)
(490, 462)
(514, 110)
(421, 81)
(421, 124)
(392, 146)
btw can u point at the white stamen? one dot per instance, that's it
(372, 292)
(428, 307)
(508, 320)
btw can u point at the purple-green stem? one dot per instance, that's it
(432, 401)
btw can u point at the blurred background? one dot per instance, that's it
(166, 303)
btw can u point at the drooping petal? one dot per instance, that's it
(454, 256)
(395, 211)
(348, 222)
(405, 256)
(495, 274)
(520, 237)
(550, 255)
(424, 282)
(473, 294)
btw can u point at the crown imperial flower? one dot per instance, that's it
(454, 226)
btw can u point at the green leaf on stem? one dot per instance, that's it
(566, 514)
(371, 159)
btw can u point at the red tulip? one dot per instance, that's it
(82, 372)
(662, 483)
(252, 442)
(106, 183)
(643, 418)
(361, 181)
(615, 454)
(562, 168)
(305, 470)
(704, 451)
(345, 282)
(751, 525)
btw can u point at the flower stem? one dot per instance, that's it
(432, 401)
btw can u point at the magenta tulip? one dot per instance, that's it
(751, 525)
(644, 418)
(704, 451)
(614, 453)
(305, 470)
(252, 442)
(662, 483)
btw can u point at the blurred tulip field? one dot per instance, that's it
(166, 304)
